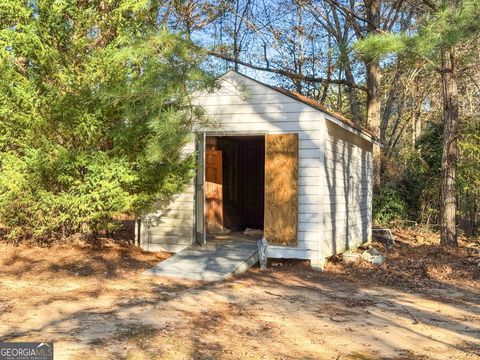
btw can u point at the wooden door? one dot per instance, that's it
(213, 190)
(281, 189)
(200, 237)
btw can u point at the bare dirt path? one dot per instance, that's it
(103, 308)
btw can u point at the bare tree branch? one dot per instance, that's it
(287, 73)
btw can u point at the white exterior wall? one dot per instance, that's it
(348, 190)
(170, 226)
(241, 106)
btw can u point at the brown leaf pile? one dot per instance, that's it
(417, 262)
(106, 258)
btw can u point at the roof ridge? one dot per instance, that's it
(313, 103)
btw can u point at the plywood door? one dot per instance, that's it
(213, 189)
(281, 189)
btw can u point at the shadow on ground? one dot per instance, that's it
(95, 303)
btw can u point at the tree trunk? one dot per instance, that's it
(373, 85)
(449, 155)
(373, 96)
(326, 84)
(416, 125)
(352, 94)
(236, 34)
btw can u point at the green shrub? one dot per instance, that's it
(95, 110)
(388, 206)
(414, 182)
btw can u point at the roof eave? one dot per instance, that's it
(329, 115)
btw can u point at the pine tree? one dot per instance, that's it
(444, 27)
(94, 111)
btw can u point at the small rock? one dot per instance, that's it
(373, 256)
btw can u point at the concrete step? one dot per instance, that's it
(215, 261)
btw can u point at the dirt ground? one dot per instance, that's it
(94, 303)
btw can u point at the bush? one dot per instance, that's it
(93, 117)
(388, 206)
(42, 196)
(413, 181)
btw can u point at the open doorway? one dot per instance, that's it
(234, 187)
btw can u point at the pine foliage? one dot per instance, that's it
(95, 108)
(437, 31)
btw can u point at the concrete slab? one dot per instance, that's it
(215, 261)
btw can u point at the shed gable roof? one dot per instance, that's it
(350, 125)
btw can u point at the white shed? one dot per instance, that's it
(276, 162)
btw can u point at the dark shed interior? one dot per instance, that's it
(243, 170)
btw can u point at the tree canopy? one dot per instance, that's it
(95, 104)
(442, 39)
(94, 112)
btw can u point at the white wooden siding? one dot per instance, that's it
(348, 190)
(241, 105)
(170, 226)
(327, 219)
